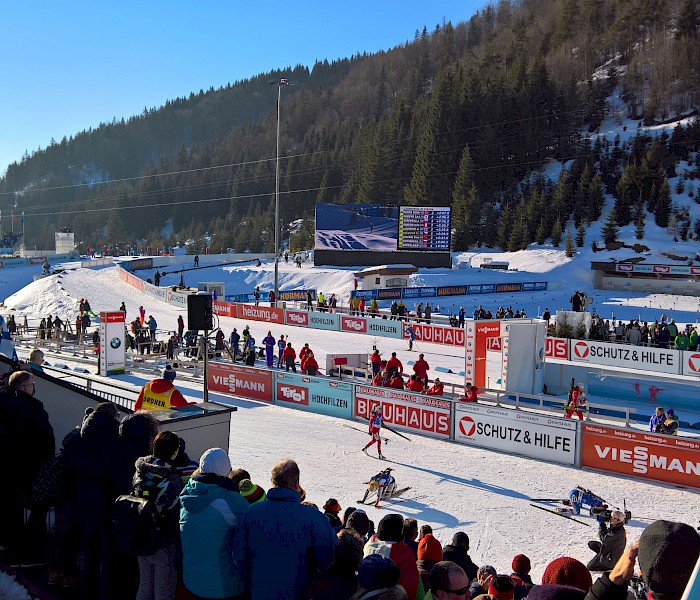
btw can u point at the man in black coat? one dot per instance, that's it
(25, 432)
(611, 545)
(458, 552)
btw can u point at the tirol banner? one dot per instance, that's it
(428, 414)
(244, 382)
(648, 455)
(314, 394)
(516, 431)
(112, 343)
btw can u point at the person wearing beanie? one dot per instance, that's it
(568, 571)
(211, 508)
(521, 568)
(282, 542)
(251, 492)
(556, 592)
(667, 553)
(389, 543)
(160, 393)
(458, 552)
(502, 587)
(331, 509)
(429, 554)
(376, 574)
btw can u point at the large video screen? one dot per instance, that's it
(356, 227)
(424, 228)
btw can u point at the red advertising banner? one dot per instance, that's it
(269, 314)
(225, 309)
(244, 382)
(131, 280)
(353, 324)
(437, 334)
(300, 318)
(556, 348)
(650, 456)
(426, 414)
(476, 358)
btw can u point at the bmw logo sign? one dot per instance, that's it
(115, 343)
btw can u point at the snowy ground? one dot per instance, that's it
(454, 487)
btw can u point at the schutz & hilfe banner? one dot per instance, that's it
(648, 455)
(515, 431)
(643, 358)
(314, 394)
(428, 414)
(112, 343)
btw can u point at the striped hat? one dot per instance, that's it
(251, 492)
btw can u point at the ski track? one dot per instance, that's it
(454, 487)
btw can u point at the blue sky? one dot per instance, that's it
(68, 66)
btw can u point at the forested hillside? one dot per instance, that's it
(464, 113)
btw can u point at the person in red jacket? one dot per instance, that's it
(394, 365)
(578, 401)
(304, 352)
(309, 366)
(396, 381)
(471, 393)
(436, 389)
(160, 393)
(376, 361)
(389, 543)
(289, 355)
(415, 384)
(421, 368)
(381, 379)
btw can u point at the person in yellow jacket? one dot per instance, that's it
(160, 393)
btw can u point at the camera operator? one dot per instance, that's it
(611, 545)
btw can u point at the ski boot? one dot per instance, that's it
(381, 456)
(365, 450)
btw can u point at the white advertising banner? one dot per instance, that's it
(428, 414)
(177, 298)
(111, 343)
(691, 362)
(642, 358)
(516, 431)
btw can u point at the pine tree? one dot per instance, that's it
(466, 209)
(569, 245)
(610, 229)
(581, 234)
(639, 222)
(556, 233)
(663, 205)
(540, 234)
(504, 228)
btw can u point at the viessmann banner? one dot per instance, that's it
(650, 456)
(643, 358)
(244, 382)
(314, 394)
(515, 431)
(427, 414)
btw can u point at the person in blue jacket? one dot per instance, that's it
(211, 510)
(279, 536)
(657, 419)
(581, 497)
(269, 342)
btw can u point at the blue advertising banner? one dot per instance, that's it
(366, 294)
(475, 289)
(536, 286)
(319, 320)
(452, 290)
(296, 295)
(389, 294)
(419, 292)
(314, 394)
(385, 328)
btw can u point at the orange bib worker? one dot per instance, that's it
(160, 393)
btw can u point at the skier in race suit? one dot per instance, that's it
(375, 424)
(383, 483)
(581, 497)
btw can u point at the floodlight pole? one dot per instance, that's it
(280, 83)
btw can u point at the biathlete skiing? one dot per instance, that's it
(383, 483)
(375, 424)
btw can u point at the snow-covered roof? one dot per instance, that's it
(387, 270)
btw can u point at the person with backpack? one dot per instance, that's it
(157, 481)
(211, 512)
